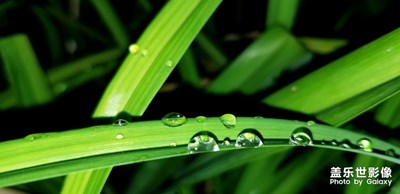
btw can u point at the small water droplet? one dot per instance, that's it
(134, 48)
(144, 53)
(310, 123)
(248, 139)
(390, 152)
(203, 141)
(229, 120)
(201, 119)
(169, 63)
(259, 117)
(36, 136)
(345, 144)
(226, 142)
(120, 122)
(174, 119)
(334, 143)
(365, 144)
(173, 144)
(301, 136)
(389, 49)
(119, 136)
(293, 88)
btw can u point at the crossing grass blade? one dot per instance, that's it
(356, 73)
(90, 182)
(154, 56)
(210, 49)
(28, 83)
(259, 64)
(282, 13)
(41, 156)
(188, 69)
(112, 22)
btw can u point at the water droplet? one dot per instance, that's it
(201, 119)
(301, 136)
(334, 143)
(229, 120)
(226, 142)
(120, 122)
(259, 117)
(134, 48)
(173, 144)
(310, 123)
(119, 136)
(345, 144)
(390, 152)
(293, 88)
(174, 119)
(248, 139)
(390, 49)
(144, 53)
(169, 63)
(36, 136)
(365, 144)
(203, 141)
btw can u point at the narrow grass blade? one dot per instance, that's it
(259, 64)
(282, 13)
(154, 56)
(363, 69)
(104, 146)
(188, 69)
(322, 46)
(211, 50)
(90, 182)
(112, 22)
(388, 113)
(27, 80)
(351, 108)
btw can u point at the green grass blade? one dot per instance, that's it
(104, 146)
(258, 65)
(322, 46)
(158, 51)
(388, 113)
(282, 13)
(90, 182)
(211, 50)
(188, 69)
(349, 109)
(112, 22)
(27, 80)
(363, 69)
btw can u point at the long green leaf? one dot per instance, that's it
(388, 112)
(282, 13)
(154, 56)
(106, 146)
(28, 82)
(90, 182)
(360, 71)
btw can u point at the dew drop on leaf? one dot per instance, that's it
(134, 48)
(390, 152)
(169, 63)
(301, 136)
(203, 141)
(201, 119)
(144, 53)
(173, 119)
(248, 139)
(365, 144)
(120, 122)
(119, 136)
(229, 120)
(310, 123)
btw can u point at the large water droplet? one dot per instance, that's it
(201, 119)
(174, 119)
(134, 48)
(119, 136)
(203, 141)
(301, 136)
(249, 138)
(229, 120)
(120, 122)
(365, 144)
